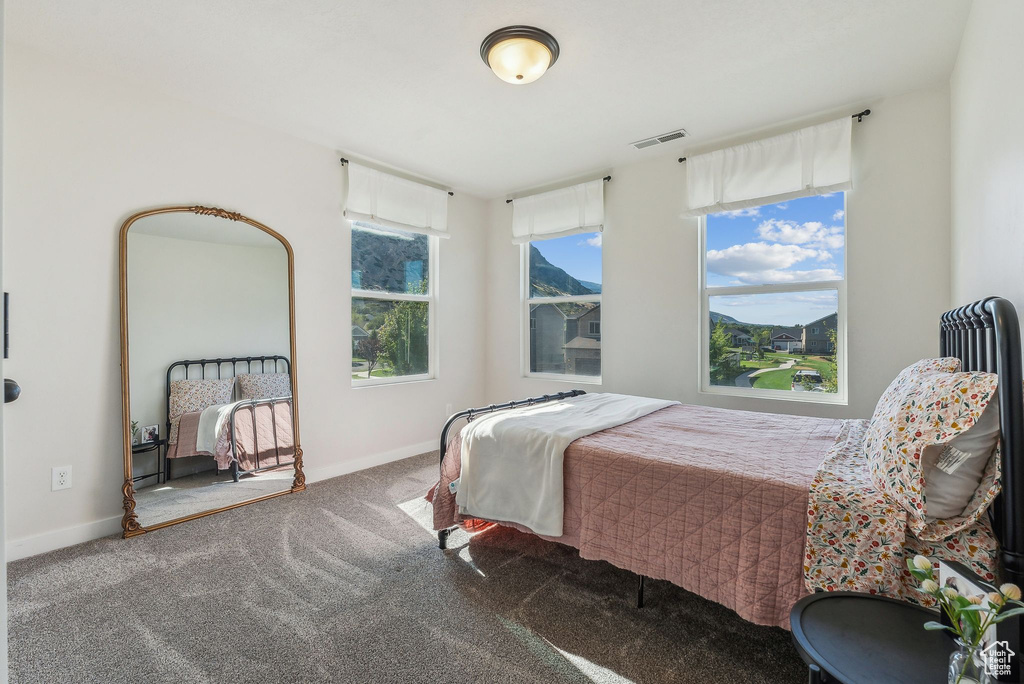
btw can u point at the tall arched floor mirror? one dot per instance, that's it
(209, 397)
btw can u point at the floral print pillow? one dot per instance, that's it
(196, 395)
(265, 385)
(928, 403)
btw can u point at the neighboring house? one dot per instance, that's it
(816, 338)
(787, 339)
(738, 338)
(583, 356)
(358, 335)
(558, 340)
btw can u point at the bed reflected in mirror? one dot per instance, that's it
(208, 352)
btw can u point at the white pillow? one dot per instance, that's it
(947, 494)
(265, 385)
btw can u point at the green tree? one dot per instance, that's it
(370, 349)
(762, 339)
(719, 344)
(830, 383)
(404, 337)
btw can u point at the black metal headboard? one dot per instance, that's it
(219, 364)
(985, 336)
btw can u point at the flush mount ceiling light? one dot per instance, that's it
(519, 54)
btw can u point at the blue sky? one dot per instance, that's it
(791, 308)
(795, 241)
(577, 255)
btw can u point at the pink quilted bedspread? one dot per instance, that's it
(713, 500)
(271, 443)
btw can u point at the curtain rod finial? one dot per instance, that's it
(682, 159)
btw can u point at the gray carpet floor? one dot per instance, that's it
(205, 491)
(344, 583)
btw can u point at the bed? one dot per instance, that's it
(693, 495)
(242, 436)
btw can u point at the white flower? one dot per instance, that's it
(995, 599)
(950, 593)
(922, 563)
(930, 586)
(1010, 591)
(976, 599)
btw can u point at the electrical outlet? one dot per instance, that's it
(61, 478)
(447, 410)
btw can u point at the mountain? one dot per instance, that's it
(594, 287)
(389, 263)
(729, 320)
(548, 280)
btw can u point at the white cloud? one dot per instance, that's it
(838, 215)
(756, 263)
(593, 242)
(741, 213)
(826, 195)
(810, 234)
(782, 206)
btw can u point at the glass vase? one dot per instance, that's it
(967, 666)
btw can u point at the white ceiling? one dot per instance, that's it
(401, 81)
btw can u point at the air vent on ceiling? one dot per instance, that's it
(659, 139)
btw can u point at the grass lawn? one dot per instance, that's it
(755, 364)
(783, 379)
(377, 373)
(777, 380)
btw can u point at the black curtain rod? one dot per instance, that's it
(605, 179)
(345, 161)
(859, 116)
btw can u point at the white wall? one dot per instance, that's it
(199, 300)
(3, 460)
(987, 101)
(90, 152)
(898, 279)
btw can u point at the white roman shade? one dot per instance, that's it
(566, 211)
(810, 161)
(393, 202)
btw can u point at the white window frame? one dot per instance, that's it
(433, 268)
(524, 291)
(703, 330)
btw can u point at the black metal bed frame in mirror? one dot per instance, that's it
(209, 395)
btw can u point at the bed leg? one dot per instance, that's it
(234, 471)
(640, 593)
(442, 539)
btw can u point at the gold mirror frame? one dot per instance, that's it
(130, 520)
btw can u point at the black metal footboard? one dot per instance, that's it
(236, 471)
(470, 414)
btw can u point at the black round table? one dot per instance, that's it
(858, 638)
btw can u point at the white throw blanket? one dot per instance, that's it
(211, 423)
(512, 460)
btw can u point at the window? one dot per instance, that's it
(773, 299)
(562, 304)
(393, 282)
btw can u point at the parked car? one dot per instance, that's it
(807, 381)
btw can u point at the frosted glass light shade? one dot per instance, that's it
(519, 60)
(519, 54)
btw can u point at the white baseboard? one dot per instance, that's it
(58, 539)
(346, 467)
(69, 536)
